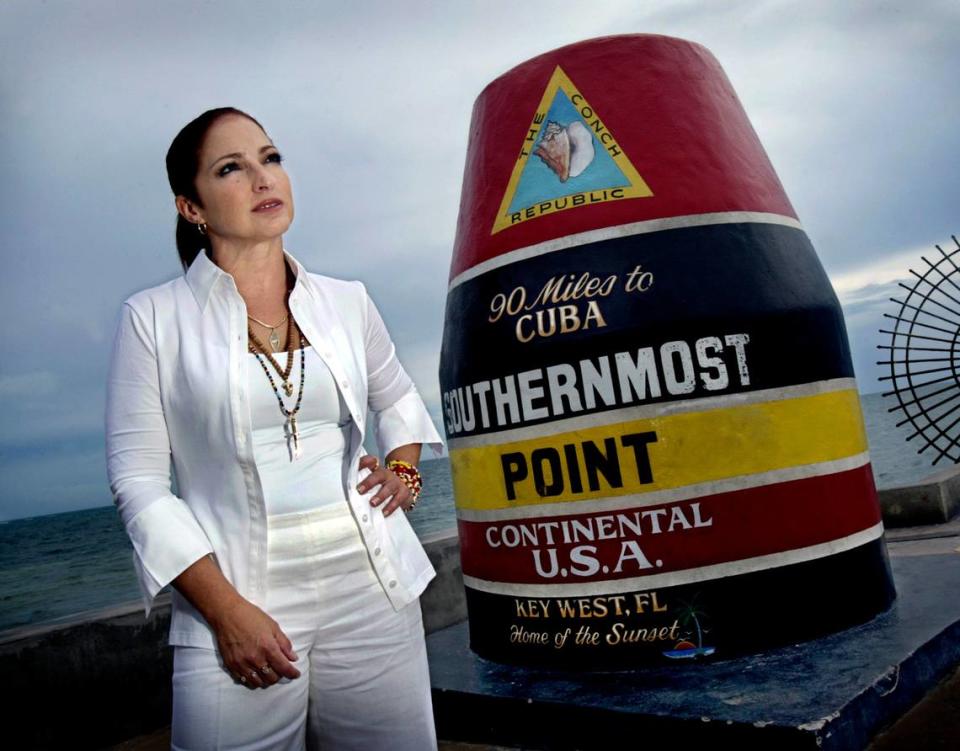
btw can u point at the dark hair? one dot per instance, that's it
(183, 162)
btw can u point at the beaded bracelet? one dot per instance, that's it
(409, 476)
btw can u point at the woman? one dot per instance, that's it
(295, 574)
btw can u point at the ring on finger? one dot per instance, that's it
(265, 669)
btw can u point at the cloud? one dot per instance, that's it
(862, 282)
(32, 385)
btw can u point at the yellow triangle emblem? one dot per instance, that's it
(569, 158)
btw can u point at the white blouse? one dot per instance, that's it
(177, 389)
(317, 477)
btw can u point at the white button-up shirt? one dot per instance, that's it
(176, 389)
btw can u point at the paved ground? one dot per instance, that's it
(932, 725)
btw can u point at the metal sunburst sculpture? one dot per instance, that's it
(925, 356)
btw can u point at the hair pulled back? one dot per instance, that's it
(183, 163)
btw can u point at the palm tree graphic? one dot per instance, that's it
(690, 613)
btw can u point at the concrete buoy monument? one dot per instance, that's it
(655, 434)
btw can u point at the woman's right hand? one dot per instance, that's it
(249, 640)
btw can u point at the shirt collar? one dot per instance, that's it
(203, 274)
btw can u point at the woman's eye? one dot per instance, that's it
(227, 168)
(275, 156)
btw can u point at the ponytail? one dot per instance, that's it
(190, 241)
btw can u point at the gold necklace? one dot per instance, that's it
(284, 373)
(274, 337)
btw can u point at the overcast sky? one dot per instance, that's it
(370, 103)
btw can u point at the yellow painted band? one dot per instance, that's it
(689, 448)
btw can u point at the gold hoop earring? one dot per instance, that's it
(202, 228)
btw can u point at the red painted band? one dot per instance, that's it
(742, 524)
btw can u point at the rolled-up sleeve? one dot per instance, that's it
(399, 414)
(166, 536)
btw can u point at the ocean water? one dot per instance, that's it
(57, 566)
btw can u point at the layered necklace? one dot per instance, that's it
(290, 426)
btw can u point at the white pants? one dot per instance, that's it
(364, 681)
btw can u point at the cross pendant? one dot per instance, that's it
(292, 420)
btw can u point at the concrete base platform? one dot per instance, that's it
(835, 692)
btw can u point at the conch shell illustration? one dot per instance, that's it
(567, 151)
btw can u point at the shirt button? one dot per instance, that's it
(393, 583)
(376, 551)
(239, 337)
(345, 384)
(364, 517)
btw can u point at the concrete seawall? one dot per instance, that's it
(934, 500)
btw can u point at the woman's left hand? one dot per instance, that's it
(389, 485)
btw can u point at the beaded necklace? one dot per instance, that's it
(290, 427)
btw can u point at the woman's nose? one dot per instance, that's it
(262, 179)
